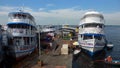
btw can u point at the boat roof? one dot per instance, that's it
(92, 12)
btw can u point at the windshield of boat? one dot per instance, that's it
(87, 37)
(98, 37)
(92, 37)
(93, 25)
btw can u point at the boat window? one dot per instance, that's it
(10, 41)
(98, 37)
(99, 26)
(17, 41)
(26, 39)
(20, 16)
(82, 26)
(19, 26)
(87, 37)
(81, 36)
(93, 25)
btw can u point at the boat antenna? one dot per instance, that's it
(22, 8)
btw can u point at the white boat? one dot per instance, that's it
(22, 27)
(110, 46)
(47, 33)
(67, 26)
(91, 32)
(49, 30)
(76, 51)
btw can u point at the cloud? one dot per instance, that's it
(7, 8)
(41, 9)
(112, 18)
(58, 16)
(50, 5)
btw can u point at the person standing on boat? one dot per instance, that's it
(108, 59)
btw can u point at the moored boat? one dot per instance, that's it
(110, 46)
(114, 63)
(91, 32)
(22, 27)
(76, 51)
(1, 55)
(47, 33)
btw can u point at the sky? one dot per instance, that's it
(58, 12)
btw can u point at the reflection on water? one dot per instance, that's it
(82, 60)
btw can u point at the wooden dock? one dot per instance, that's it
(61, 61)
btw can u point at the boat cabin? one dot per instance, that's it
(67, 33)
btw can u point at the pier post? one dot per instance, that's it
(39, 41)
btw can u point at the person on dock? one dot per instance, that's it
(108, 59)
(50, 45)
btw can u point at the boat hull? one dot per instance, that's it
(20, 53)
(92, 47)
(92, 51)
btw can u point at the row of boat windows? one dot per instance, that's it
(21, 16)
(22, 26)
(23, 41)
(92, 37)
(93, 25)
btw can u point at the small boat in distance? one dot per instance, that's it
(113, 63)
(22, 27)
(91, 33)
(76, 51)
(110, 46)
(110, 61)
(47, 33)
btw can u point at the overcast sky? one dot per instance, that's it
(58, 12)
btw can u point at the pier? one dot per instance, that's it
(50, 59)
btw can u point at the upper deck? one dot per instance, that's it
(92, 17)
(21, 17)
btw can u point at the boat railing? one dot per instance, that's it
(19, 20)
(18, 31)
(92, 30)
